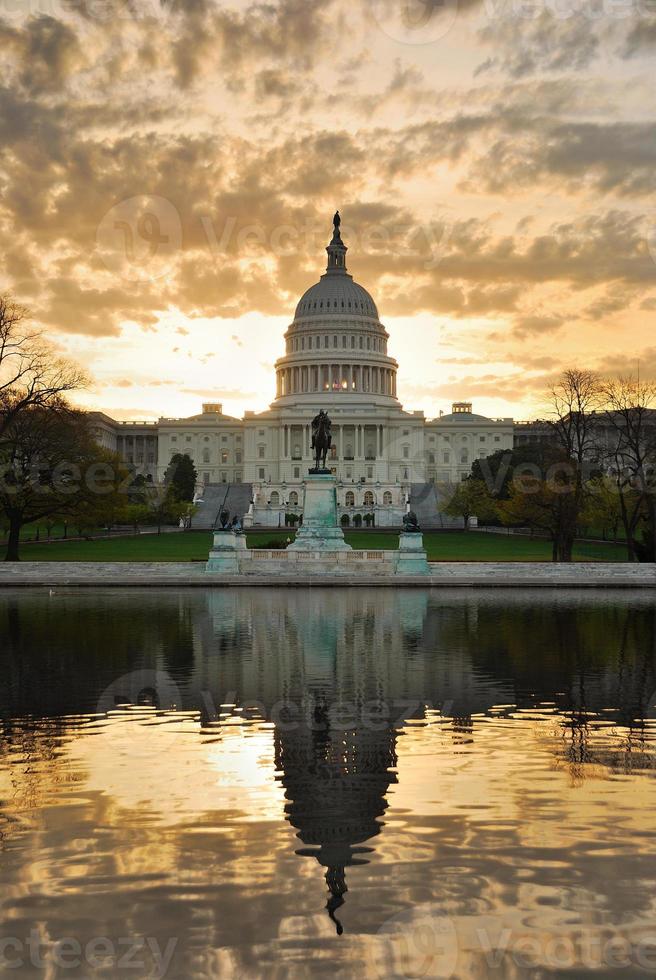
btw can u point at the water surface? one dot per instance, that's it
(298, 783)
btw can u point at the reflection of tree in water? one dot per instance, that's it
(60, 651)
(335, 784)
(587, 658)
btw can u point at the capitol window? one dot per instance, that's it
(368, 499)
(206, 455)
(387, 499)
(349, 499)
(224, 457)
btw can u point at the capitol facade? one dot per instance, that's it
(336, 357)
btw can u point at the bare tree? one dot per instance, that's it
(31, 374)
(576, 399)
(631, 451)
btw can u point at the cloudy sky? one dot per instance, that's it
(169, 171)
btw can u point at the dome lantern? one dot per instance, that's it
(336, 249)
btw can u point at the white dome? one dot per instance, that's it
(338, 295)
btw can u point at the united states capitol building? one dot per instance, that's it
(335, 357)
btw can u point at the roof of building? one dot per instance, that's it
(463, 417)
(336, 295)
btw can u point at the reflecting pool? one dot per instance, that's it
(308, 782)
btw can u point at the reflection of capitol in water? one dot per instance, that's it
(465, 738)
(338, 678)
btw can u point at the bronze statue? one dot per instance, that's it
(321, 440)
(336, 220)
(410, 524)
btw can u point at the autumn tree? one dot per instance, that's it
(471, 498)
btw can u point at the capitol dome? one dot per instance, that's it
(336, 342)
(336, 295)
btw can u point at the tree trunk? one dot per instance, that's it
(13, 540)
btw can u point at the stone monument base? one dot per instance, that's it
(412, 558)
(319, 530)
(226, 552)
(319, 548)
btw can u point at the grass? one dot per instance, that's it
(195, 545)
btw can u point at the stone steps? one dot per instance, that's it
(233, 497)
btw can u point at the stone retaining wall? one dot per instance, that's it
(441, 575)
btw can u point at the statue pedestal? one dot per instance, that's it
(319, 530)
(225, 553)
(412, 555)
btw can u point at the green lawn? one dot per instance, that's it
(195, 545)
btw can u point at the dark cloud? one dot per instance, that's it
(547, 43)
(537, 324)
(45, 52)
(641, 38)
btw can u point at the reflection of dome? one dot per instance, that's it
(335, 785)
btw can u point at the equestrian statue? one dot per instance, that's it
(321, 441)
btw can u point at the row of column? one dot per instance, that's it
(368, 441)
(335, 377)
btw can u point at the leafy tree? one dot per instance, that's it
(497, 470)
(603, 509)
(181, 475)
(136, 515)
(471, 498)
(164, 507)
(48, 461)
(543, 505)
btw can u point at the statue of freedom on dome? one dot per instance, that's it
(336, 221)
